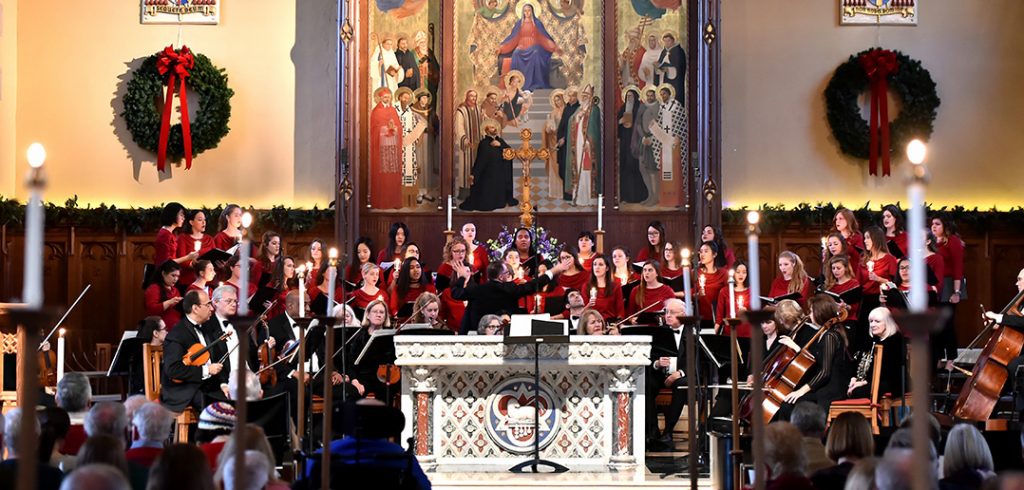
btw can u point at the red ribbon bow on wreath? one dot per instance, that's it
(879, 64)
(175, 66)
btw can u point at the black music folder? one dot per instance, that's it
(776, 300)
(218, 255)
(851, 297)
(663, 341)
(676, 284)
(262, 295)
(380, 349)
(127, 354)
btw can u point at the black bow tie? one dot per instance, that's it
(572, 317)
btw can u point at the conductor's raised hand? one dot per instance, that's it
(561, 266)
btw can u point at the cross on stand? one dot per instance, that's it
(526, 154)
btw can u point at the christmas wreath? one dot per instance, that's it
(149, 124)
(878, 70)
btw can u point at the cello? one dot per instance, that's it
(978, 397)
(783, 372)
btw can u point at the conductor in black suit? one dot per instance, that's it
(498, 293)
(196, 386)
(662, 374)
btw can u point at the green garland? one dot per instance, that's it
(813, 216)
(911, 82)
(142, 114)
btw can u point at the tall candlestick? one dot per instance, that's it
(915, 228)
(449, 212)
(61, 349)
(600, 211)
(686, 282)
(754, 267)
(243, 261)
(32, 294)
(732, 294)
(301, 273)
(332, 276)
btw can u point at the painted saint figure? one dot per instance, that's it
(386, 159)
(642, 144)
(669, 131)
(410, 65)
(412, 130)
(629, 63)
(429, 178)
(550, 140)
(528, 49)
(430, 69)
(385, 70)
(492, 173)
(631, 183)
(467, 137)
(584, 151)
(571, 105)
(671, 67)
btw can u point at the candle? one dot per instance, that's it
(871, 266)
(701, 280)
(301, 272)
(739, 303)
(243, 261)
(536, 303)
(753, 268)
(915, 228)
(686, 282)
(449, 212)
(332, 276)
(593, 293)
(732, 294)
(600, 211)
(60, 354)
(197, 245)
(32, 293)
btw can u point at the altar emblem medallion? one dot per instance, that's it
(180, 11)
(510, 414)
(878, 12)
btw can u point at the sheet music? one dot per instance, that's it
(374, 335)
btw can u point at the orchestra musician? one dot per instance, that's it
(203, 281)
(363, 253)
(656, 239)
(1017, 323)
(592, 323)
(350, 318)
(427, 310)
(165, 246)
(476, 253)
(585, 243)
(668, 372)
(672, 259)
(411, 283)
(951, 247)
(230, 227)
(225, 305)
(622, 267)
(726, 258)
(792, 278)
(840, 278)
(902, 283)
(151, 330)
(603, 293)
(827, 380)
(846, 224)
(194, 231)
(884, 331)
(397, 236)
(376, 318)
(712, 279)
(895, 230)
(742, 293)
(575, 277)
(161, 297)
(650, 291)
(184, 385)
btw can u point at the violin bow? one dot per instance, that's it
(630, 317)
(66, 313)
(193, 357)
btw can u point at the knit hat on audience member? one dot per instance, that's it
(217, 416)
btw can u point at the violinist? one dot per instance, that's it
(585, 244)
(828, 379)
(477, 253)
(592, 323)
(411, 283)
(185, 385)
(428, 309)
(895, 230)
(742, 300)
(846, 224)
(652, 249)
(884, 331)
(162, 297)
(650, 291)
(225, 305)
(194, 232)
(792, 278)
(726, 258)
(230, 227)
(603, 293)
(712, 279)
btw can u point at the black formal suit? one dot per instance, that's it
(214, 328)
(181, 385)
(656, 381)
(491, 297)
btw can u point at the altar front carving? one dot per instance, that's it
(468, 402)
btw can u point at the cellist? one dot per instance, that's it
(1017, 323)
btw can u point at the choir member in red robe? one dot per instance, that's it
(386, 158)
(397, 236)
(673, 259)
(284, 281)
(204, 281)
(902, 282)
(162, 297)
(791, 279)
(711, 280)
(369, 292)
(877, 266)
(622, 266)
(165, 247)
(895, 230)
(836, 244)
(452, 309)
(742, 299)
(585, 244)
(315, 257)
(726, 257)
(603, 293)
(519, 275)
(841, 277)
(266, 262)
(230, 227)
(951, 247)
(363, 254)
(574, 277)
(411, 283)
(194, 232)
(936, 264)
(523, 243)
(845, 223)
(656, 238)
(234, 281)
(477, 254)
(650, 291)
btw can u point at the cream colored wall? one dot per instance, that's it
(69, 95)
(778, 56)
(8, 92)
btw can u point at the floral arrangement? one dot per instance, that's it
(547, 246)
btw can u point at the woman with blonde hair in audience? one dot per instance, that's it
(849, 440)
(254, 439)
(967, 460)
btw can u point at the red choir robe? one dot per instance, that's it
(452, 310)
(730, 258)
(856, 241)
(187, 245)
(608, 305)
(713, 284)
(154, 305)
(386, 159)
(633, 276)
(884, 267)
(395, 303)
(165, 246)
(952, 252)
(669, 273)
(780, 287)
(722, 310)
(588, 263)
(578, 281)
(361, 298)
(480, 260)
(224, 241)
(651, 296)
(841, 288)
(937, 264)
(278, 307)
(900, 240)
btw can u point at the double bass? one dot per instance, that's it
(783, 372)
(979, 396)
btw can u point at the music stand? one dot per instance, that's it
(541, 332)
(423, 329)
(129, 350)
(380, 349)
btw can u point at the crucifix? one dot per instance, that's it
(526, 154)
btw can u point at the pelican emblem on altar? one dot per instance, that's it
(510, 415)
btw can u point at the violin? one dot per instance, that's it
(47, 367)
(198, 354)
(265, 353)
(978, 397)
(783, 372)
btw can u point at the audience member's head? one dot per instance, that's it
(862, 475)
(904, 439)
(257, 469)
(96, 476)
(934, 429)
(895, 471)
(14, 430)
(133, 403)
(217, 419)
(849, 437)
(106, 449)
(783, 450)
(254, 439)
(181, 466)
(809, 419)
(966, 450)
(54, 424)
(74, 393)
(106, 418)
(153, 422)
(253, 390)
(371, 419)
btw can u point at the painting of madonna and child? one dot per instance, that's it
(537, 65)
